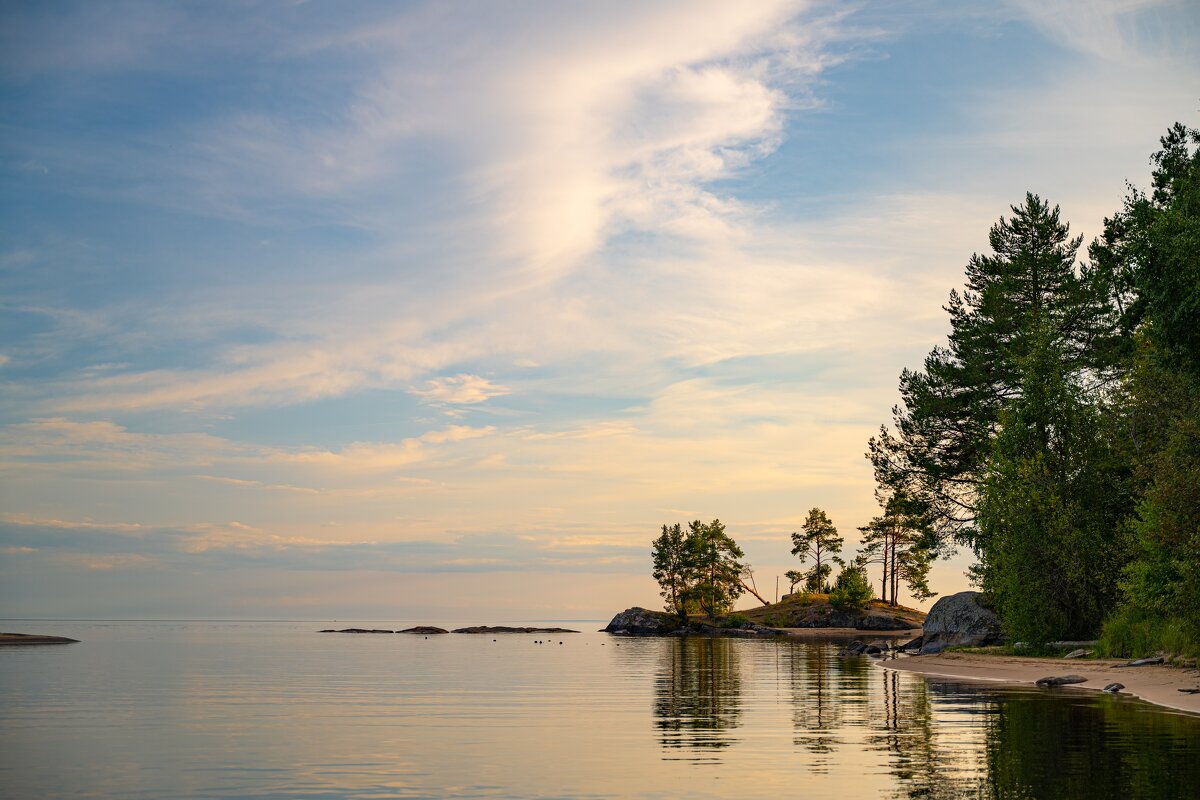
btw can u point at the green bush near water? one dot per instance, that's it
(1132, 633)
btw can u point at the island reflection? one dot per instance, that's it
(697, 694)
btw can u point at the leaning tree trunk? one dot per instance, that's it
(746, 586)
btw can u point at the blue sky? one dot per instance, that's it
(441, 310)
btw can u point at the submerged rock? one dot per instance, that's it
(958, 620)
(1061, 680)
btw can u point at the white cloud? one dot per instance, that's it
(461, 389)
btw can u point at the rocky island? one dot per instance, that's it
(430, 630)
(787, 617)
(33, 638)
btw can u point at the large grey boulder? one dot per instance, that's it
(959, 620)
(642, 622)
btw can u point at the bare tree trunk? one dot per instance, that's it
(746, 586)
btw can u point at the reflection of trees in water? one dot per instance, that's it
(816, 706)
(697, 694)
(1089, 746)
(923, 764)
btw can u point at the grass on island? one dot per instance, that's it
(794, 610)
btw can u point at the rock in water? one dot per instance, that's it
(641, 622)
(1061, 680)
(427, 630)
(1078, 654)
(1113, 688)
(959, 620)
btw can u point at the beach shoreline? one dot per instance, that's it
(1158, 684)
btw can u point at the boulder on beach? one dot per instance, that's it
(959, 620)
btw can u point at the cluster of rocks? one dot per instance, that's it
(857, 648)
(429, 630)
(644, 622)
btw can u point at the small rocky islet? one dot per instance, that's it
(430, 630)
(793, 611)
(17, 639)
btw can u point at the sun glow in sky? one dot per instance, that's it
(442, 309)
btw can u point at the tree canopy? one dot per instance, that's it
(817, 540)
(698, 569)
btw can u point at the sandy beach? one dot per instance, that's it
(1157, 684)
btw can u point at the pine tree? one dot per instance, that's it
(820, 542)
(697, 569)
(903, 544)
(714, 567)
(951, 408)
(1047, 536)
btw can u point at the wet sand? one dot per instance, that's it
(1158, 684)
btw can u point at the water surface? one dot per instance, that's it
(276, 710)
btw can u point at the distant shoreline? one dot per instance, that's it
(1157, 684)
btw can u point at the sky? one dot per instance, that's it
(441, 310)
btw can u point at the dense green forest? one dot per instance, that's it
(1057, 432)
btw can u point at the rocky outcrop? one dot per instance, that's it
(642, 622)
(427, 630)
(797, 614)
(959, 620)
(506, 629)
(357, 630)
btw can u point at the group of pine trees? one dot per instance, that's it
(1057, 433)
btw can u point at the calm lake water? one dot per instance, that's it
(276, 710)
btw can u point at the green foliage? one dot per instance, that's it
(1152, 247)
(852, 589)
(936, 454)
(1134, 633)
(1048, 557)
(669, 557)
(819, 541)
(774, 620)
(794, 577)
(902, 541)
(734, 621)
(697, 569)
